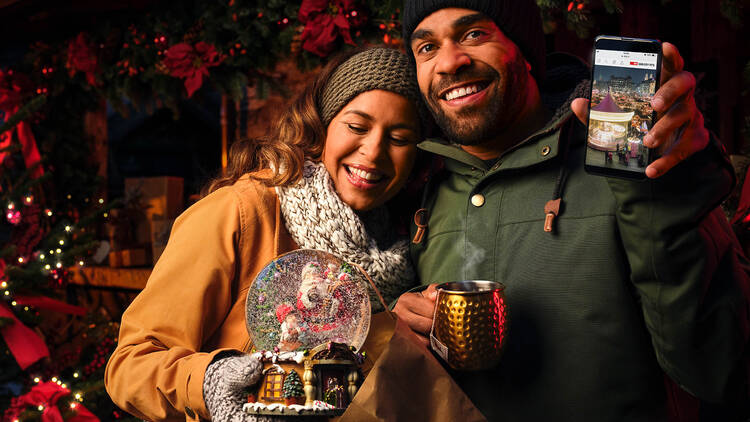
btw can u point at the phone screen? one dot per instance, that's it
(620, 114)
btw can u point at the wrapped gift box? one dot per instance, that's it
(161, 197)
(129, 258)
(160, 229)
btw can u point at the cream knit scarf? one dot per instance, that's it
(316, 218)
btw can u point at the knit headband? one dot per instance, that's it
(376, 68)
(520, 21)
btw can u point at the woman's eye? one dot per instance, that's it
(400, 141)
(359, 130)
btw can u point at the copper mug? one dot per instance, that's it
(470, 324)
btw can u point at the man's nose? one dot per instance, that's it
(451, 57)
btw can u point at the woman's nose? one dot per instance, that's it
(373, 146)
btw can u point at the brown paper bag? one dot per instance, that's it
(404, 381)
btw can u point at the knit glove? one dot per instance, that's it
(223, 388)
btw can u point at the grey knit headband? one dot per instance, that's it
(376, 68)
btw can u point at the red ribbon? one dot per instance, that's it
(29, 150)
(47, 394)
(24, 343)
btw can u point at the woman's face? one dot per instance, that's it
(370, 147)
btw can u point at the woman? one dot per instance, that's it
(344, 148)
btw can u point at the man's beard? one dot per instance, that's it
(475, 125)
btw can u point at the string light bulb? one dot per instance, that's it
(20, 260)
(62, 242)
(36, 380)
(68, 228)
(58, 265)
(4, 284)
(40, 408)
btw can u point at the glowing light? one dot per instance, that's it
(47, 267)
(354, 13)
(58, 265)
(7, 293)
(67, 228)
(20, 260)
(11, 205)
(64, 385)
(75, 375)
(36, 379)
(25, 308)
(101, 201)
(49, 213)
(62, 242)
(40, 408)
(78, 396)
(14, 303)
(41, 257)
(51, 252)
(106, 215)
(4, 284)
(29, 199)
(58, 250)
(54, 379)
(80, 263)
(59, 382)
(69, 196)
(73, 405)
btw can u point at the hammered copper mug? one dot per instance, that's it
(470, 324)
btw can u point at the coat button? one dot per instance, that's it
(545, 150)
(477, 200)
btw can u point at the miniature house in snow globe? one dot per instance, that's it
(308, 314)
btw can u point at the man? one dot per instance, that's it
(621, 293)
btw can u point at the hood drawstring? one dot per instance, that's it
(552, 207)
(422, 215)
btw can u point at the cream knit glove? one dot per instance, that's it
(224, 388)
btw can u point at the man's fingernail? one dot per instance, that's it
(657, 103)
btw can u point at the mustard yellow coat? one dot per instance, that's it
(193, 305)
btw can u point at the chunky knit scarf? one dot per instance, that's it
(316, 218)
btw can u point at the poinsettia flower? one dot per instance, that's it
(324, 22)
(82, 58)
(191, 63)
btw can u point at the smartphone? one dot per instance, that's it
(624, 78)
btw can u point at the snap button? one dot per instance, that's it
(477, 200)
(545, 150)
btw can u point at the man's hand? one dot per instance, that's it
(679, 131)
(416, 309)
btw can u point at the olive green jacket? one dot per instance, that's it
(636, 280)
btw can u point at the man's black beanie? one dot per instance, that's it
(519, 20)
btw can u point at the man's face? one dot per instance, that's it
(473, 78)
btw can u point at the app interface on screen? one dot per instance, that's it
(624, 83)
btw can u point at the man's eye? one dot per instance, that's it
(472, 35)
(359, 130)
(425, 48)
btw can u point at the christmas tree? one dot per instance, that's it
(293, 385)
